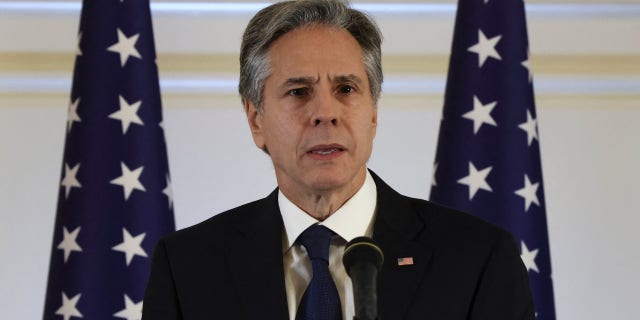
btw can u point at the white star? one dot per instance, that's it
(78, 51)
(68, 308)
(527, 66)
(168, 191)
(476, 180)
(129, 180)
(72, 114)
(433, 176)
(529, 193)
(127, 114)
(529, 258)
(485, 48)
(69, 243)
(481, 114)
(131, 311)
(69, 181)
(131, 245)
(530, 127)
(125, 47)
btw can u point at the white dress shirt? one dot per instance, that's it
(353, 219)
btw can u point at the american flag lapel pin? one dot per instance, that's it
(407, 261)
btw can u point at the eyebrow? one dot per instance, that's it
(300, 80)
(348, 78)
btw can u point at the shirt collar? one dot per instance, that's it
(353, 219)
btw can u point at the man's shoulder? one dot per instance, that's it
(443, 214)
(446, 226)
(223, 225)
(439, 221)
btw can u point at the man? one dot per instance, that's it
(310, 79)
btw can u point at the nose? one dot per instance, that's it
(325, 109)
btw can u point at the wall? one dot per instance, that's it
(586, 61)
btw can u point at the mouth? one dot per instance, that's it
(326, 151)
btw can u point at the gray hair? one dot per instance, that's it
(274, 21)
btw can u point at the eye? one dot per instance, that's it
(346, 89)
(298, 92)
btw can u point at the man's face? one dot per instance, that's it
(318, 120)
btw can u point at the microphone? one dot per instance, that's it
(363, 259)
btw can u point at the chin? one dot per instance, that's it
(327, 181)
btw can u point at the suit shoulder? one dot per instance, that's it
(442, 224)
(454, 226)
(218, 227)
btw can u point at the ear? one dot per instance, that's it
(255, 120)
(374, 121)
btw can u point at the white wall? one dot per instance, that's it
(588, 127)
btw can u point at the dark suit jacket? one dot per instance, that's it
(230, 266)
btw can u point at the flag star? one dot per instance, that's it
(69, 242)
(131, 311)
(480, 114)
(129, 180)
(529, 193)
(529, 258)
(527, 66)
(125, 47)
(78, 50)
(130, 246)
(168, 191)
(530, 127)
(476, 180)
(433, 176)
(127, 114)
(68, 308)
(72, 114)
(485, 48)
(69, 181)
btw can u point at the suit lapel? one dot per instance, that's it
(257, 261)
(399, 231)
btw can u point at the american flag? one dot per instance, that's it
(115, 198)
(408, 261)
(488, 156)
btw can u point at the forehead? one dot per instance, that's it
(316, 50)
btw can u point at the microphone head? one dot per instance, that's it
(362, 250)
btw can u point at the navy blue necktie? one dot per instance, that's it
(320, 301)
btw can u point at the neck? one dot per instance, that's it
(321, 204)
